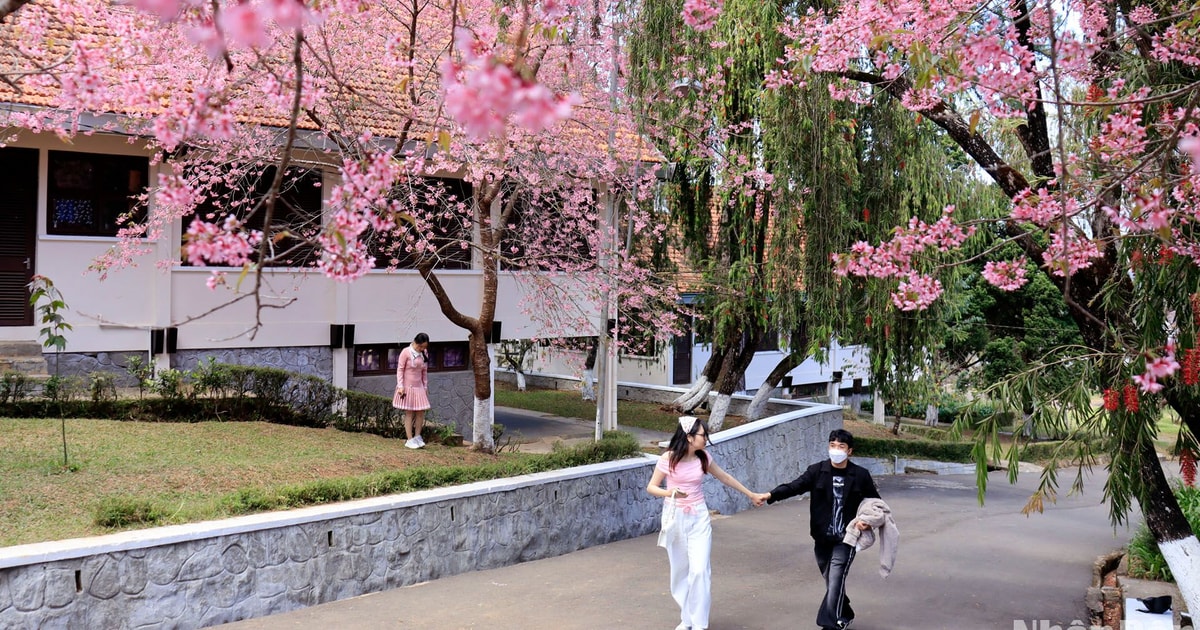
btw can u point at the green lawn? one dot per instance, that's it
(185, 468)
(570, 404)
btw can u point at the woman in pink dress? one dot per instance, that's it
(412, 384)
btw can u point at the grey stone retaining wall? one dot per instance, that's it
(203, 574)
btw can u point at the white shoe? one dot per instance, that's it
(420, 441)
(412, 444)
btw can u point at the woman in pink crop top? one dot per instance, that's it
(689, 545)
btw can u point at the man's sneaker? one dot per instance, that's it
(412, 443)
(844, 624)
(420, 441)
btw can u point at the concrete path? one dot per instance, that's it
(960, 567)
(536, 432)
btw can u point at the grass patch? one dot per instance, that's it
(134, 474)
(1145, 559)
(570, 404)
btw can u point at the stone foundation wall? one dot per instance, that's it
(82, 365)
(203, 574)
(311, 360)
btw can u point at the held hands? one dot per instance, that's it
(759, 499)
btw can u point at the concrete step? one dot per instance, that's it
(25, 365)
(22, 349)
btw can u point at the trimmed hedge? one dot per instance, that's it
(216, 391)
(915, 449)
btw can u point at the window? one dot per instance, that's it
(444, 205)
(296, 219)
(90, 194)
(377, 359)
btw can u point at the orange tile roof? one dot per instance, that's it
(362, 97)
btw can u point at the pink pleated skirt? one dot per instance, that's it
(415, 399)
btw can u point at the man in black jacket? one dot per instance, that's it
(837, 487)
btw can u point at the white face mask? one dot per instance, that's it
(837, 455)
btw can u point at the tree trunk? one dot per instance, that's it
(931, 415)
(1170, 528)
(698, 392)
(758, 405)
(589, 384)
(481, 422)
(520, 380)
(737, 359)
(877, 411)
(856, 398)
(589, 372)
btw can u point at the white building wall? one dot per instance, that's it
(116, 314)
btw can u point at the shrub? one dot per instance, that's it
(141, 371)
(126, 511)
(613, 445)
(169, 384)
(103, 387)
(211, 379)
(14, 386)
(53, 388)
(917, 449)
(1145, 558)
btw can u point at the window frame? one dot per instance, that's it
(101, 199)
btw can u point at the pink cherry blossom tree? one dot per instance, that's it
(1084, 114)
(464, 134)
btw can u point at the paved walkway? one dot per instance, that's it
(961, 567)
(536, 432)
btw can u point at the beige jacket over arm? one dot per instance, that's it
(878, 515)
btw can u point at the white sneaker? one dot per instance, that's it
(412, 443)
(420, 441)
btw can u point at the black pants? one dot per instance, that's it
(833, 559)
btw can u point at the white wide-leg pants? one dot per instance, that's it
(691, 573)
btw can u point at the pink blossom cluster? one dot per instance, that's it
(702, 14)
(343, 254)
(1190, 146)
(365, 187)
(917, 292)
(1008, 275)
(1069, 253)
(896, 258)
(1043, 207)
(1178, 44)
(237, 25)
(1147, 213)
(1122, 138)
(211, 244)
(1157, 368)
(200, 116)
(483, 92)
